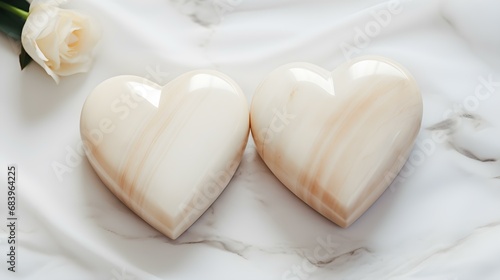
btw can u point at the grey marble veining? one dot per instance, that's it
(438, 220)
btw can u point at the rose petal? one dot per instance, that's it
(59, 40)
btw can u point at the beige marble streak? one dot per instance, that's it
(334, 138)
(167, 153)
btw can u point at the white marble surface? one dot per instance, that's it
(439, 220)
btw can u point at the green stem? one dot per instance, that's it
(14, 10)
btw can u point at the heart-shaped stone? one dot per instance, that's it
(337, 139)
(167, 153)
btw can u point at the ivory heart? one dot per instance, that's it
(337, 139)
(167, 153)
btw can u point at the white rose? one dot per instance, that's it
(59, 40)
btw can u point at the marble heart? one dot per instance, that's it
(167, 153)
(337, 139)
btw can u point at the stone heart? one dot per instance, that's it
(167, 153)
(337, 139)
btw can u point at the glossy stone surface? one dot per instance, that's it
(167, 153)
(337, 139)
(438, 220)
